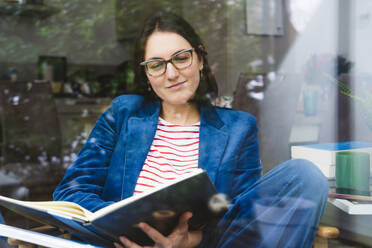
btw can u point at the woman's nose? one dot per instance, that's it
(172, 71)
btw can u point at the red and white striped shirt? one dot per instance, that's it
(174, 152)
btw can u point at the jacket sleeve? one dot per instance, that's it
(84, 179)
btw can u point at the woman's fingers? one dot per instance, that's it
(154, 234)
(13, 241)
(183, 223)
(26, 246)
(127, 243)
(117, 245)
(182, 228)
(19, 243)
(180, 231)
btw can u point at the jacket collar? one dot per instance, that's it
(212, 140)
(141, 131)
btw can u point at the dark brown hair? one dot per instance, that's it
(169, 22)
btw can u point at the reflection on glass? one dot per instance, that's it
(311, 85)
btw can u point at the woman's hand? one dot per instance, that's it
(20, 244)
(179, 238)
(45, 229)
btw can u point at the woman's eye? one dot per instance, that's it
(155, 65)
(181, 57)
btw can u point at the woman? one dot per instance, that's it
(133, 139)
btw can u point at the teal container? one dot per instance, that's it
(353, 170)
(310, 102)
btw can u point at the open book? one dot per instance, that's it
(160, 208)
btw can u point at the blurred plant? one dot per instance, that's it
(342, 70)
(336, 70)
(364, 100)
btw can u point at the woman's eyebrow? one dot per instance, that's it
(170, 56)
(154, 58)
(181, 50)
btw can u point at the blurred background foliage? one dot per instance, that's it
(65, 26)
(101, 32)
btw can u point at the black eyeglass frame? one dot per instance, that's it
(144, 63)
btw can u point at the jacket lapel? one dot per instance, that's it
(212, 141)
(141, 132)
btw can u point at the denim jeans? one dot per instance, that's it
(282, 209)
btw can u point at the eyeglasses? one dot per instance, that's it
(180, 60)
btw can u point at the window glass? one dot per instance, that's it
(302, 68)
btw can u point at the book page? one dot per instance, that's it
(63, 206)
(69, 209)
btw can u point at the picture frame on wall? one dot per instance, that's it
(264, 17)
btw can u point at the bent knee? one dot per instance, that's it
(308, 174)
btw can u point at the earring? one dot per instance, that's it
(201, 75)
(148, 87)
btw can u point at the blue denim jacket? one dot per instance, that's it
(108, 165)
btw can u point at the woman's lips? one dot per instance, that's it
(176, 86)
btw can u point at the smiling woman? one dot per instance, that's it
(175, 86)
(186, 38)
(172, 129)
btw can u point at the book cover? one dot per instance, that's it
(160, 208)
(324, 155)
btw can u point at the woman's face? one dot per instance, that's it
(175, 86)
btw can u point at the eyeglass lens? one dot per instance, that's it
(180, 61)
